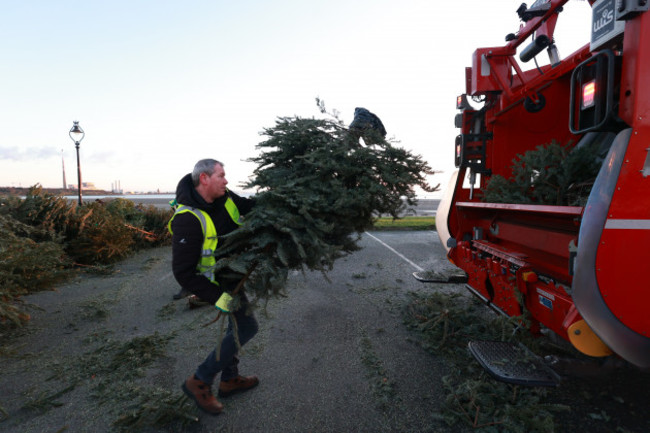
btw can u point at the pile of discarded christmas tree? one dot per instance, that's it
(45, 239)
(552, 174)
(319, 185)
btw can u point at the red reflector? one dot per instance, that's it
(459, 102)
(588, 94)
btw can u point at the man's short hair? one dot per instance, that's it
(204, 166)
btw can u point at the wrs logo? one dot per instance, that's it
(606, 18)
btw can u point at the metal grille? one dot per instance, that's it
(513, 363)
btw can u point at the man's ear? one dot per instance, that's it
(203, 178)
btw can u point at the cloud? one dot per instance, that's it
(27, 153)
(107, 157)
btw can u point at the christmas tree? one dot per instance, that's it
(551, 174)
(319, 186)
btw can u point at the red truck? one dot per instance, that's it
(579, 271)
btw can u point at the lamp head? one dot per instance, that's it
(76, 133)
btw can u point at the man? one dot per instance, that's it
(207, 210)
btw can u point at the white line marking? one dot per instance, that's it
(164, 277)
(399, 254)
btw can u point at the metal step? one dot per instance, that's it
(513, 363)
(453, 277)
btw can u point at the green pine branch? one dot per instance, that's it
(319, 187)
(551, 174)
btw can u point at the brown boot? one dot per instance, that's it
(237, 384)
(195, 302)
(201, 393)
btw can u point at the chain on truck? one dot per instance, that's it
(579, 271)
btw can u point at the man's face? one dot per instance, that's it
(215, 183)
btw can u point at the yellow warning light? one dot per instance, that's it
(529, 276)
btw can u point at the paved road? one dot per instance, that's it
(334, 356)
(314, 350)
(319, 341)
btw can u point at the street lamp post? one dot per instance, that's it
(77, 134)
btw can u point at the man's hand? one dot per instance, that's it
(227, 303)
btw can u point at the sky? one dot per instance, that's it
(158, 85)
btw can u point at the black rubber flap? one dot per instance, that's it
(454, 277)
(513, 363)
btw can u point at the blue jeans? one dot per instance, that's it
(227, 363)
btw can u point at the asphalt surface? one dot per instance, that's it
(333, 356)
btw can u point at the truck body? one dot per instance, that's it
(578, 270)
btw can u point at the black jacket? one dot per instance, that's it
(187, 239)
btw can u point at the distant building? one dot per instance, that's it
(117, 187)
(85, 185)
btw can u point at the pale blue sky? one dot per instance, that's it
(158, 85)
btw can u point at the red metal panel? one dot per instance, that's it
(622, 267)
(487, 67)
(571, 211)
(549, 305)
(537, 235)
(516, 131)
(635, 92)
(623, 256)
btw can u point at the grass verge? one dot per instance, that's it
(406, 223)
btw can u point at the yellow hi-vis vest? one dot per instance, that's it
(207, 261)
